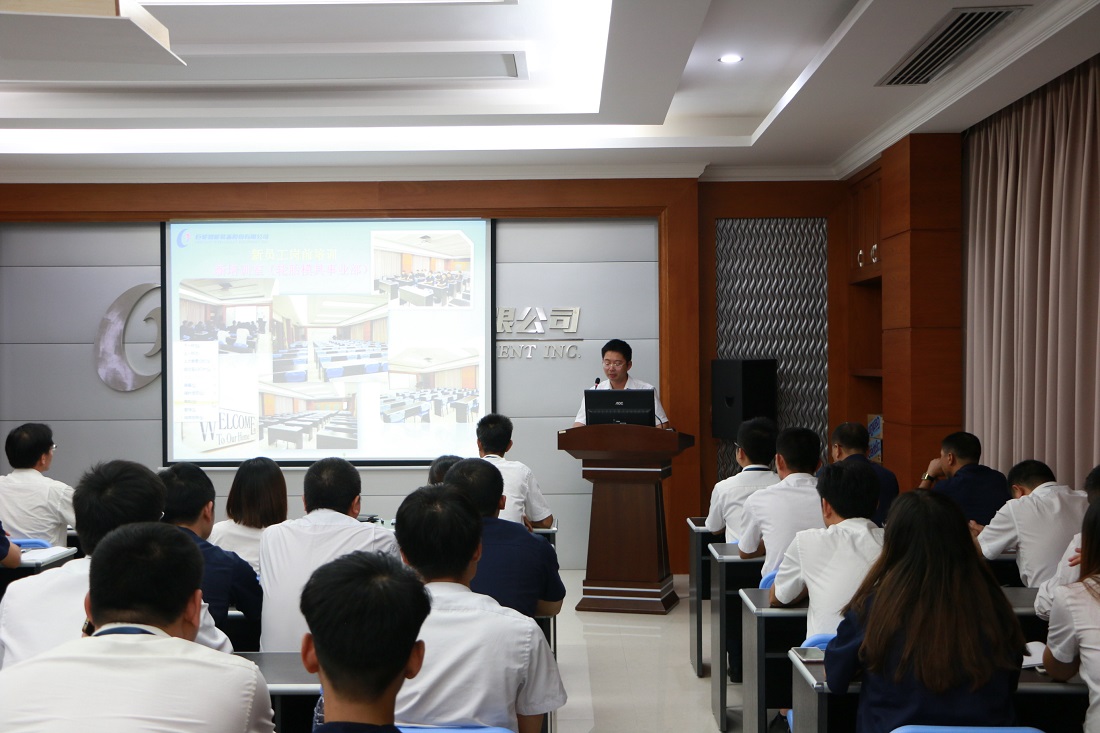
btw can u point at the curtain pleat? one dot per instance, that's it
(1033, 278)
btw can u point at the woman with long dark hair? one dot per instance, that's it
(257, 499)
(929, 629)
(1073, 639)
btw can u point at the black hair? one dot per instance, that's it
(620, 346)
(27, 444)
(800, 448)
(757, 438)
(331, 483)
(480, 482)
(1030, 473)
(364, 611)
(438, 530)
(851, 436)
(440, 466)
(112, 494)
(187, 491)
(145, 572)
(257, 497)
(850, 487)
(966, 446)
(1092, 483)
(495, 433)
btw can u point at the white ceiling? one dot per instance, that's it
(501, 89)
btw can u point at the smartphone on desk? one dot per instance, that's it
(810, 654)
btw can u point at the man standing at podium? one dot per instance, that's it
(616, 367)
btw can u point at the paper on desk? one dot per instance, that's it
(44, 554)
(1034, 657)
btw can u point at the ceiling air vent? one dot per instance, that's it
(950, 41)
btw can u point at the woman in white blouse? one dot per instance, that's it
(1073, 640)
(257, 499)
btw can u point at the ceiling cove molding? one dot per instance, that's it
(731, 173)
(1010, 49)
(290, 174)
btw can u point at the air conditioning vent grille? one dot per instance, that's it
(959, 33)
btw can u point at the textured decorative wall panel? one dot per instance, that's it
(772, 305)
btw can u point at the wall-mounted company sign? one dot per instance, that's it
(111, 362)
(532, 320)
(536, 321)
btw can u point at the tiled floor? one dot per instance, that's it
(630, 672)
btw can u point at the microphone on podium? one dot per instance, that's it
(597, 382)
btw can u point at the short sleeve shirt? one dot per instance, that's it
(1075, 632)
(728, 498)
(776, 514)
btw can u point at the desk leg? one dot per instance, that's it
(811, 707)
(718, 678)
(695, 606)
(752, 654)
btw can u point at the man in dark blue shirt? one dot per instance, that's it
(517, 568)
(850, 442)
(980, 490)
(227, 579)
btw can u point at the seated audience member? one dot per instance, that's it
(31, 505)
(440, 466)
(257, 500)
(291, 551)
(524, 502)
(829, 564)
(978, 489)
(1073, 639)
(364, 613)
(1037, 522)
(139, 670)
(850, 442)
(227, 580)
(755, 448)
(43, 611)
(929, 629)
(773, 516)
(488, 665)
(1067, 571)
(10, 554)
(517, 568)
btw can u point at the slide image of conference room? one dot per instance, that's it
(327, 338)
(422, 268)
(309, 417)
(236, 313)
(437, 385)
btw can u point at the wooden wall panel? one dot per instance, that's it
(674, 202)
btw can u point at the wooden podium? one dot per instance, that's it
(628, 569)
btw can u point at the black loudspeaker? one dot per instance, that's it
(741, 389)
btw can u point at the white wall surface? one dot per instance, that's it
(57, 281)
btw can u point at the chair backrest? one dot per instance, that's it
(769, 580)
(818, 640)
(30, 544)
(963, 729)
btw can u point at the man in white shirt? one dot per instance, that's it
(364, 612)
(755, 448)
(524, 502)
(140, 669)
(31, 505)
(292, 550)
(829, 564)
(616, 367)
(484, 665)
(1036, 523)
(773, 516)
(1067, 570)
(46, 610)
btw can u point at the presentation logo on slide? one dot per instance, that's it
(183, 238)
(111, 362)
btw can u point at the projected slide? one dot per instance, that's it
(304, 339)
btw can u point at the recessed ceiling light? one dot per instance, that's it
(730, 58)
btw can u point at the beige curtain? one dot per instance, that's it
(1033, 278)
